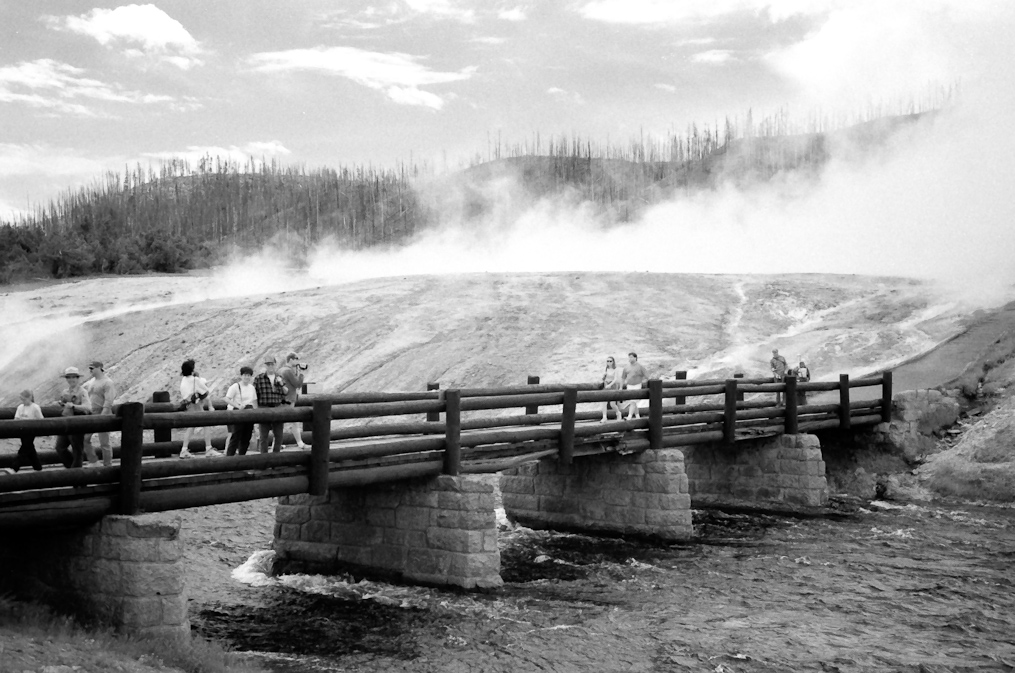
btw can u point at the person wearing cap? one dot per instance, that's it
(292, 379)
(778, 365)
(75, 402)
(101, 393)
(270, 393)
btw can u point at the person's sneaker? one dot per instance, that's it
(210, 452)
(91, 463)
(186, 454)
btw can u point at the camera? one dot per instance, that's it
(303, 366)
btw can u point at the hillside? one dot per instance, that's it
(182, 217)
(487, 329)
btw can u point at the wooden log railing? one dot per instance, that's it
(377, 452)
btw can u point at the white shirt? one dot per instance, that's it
(239, 396)
(192, 384)
(30, 411)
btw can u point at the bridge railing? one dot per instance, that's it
(404, 449)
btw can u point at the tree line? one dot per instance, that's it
(179, 216)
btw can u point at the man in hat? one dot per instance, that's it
(101, 393)
(778, 365)
(270, 393)
(75, 402)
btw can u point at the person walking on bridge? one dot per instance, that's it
(270, 393)
(101, 393)
(778, 365)
(292, 379)
(635, 378)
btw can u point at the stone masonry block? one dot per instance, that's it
(148, 579)
(380, 516)
(312, 552)
(335, 513)
(315, 531)
(612, 496)
(360, 535)
(793, 467)
(512, 485)
(141, 612)
(646, 457)
(464, 520)
(463, 484)
(549, 484)
(624, 515)
(174, 609)
(664, 468)
(354, 555)
(490, 541)
(163, 525)
(297, 515)
(792, 453)
(412, 518)
(661, 483)
(466, 541)
(389, 557)
(170, 551)
(663, 519)
(627, 469)
(556, 504)
(750, 472)
(418, 498)
(410, 539)
(389, 498)
(592, 509)
(518, 501)
(466, 501)
(290, 531)
(670, 455)
(808, 441)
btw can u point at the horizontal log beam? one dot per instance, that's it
(221, 494)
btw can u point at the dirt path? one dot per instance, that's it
(911, 589)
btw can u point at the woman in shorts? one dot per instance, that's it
(195, 397)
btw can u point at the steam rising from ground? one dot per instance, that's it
(932, 205)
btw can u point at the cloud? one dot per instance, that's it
(62, 88)
(514, 14)
(443, 9)
(564, 95)
(666, 87)
(398, 75)
(488, 40)
(139, 31)
(40, 159)
(713, 56)
(240, 154)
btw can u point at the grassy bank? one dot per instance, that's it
(34, 638)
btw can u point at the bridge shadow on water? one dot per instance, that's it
(310, 631)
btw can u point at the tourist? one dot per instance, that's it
(101, 393)
(778, 365)
(28, 410)
(241, 395)
(803, 375)
(292, 379)
(74, 402)
(635, 378)
(194, 394)
(613, 379)
(270, 393)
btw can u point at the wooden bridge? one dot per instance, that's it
(371, 452)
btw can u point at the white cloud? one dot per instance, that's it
(666, 87)
(398, 75)
(488, 40)
(139, 31)
(9, 213)
(40, 159)
(62, 88)
(513, 14)
(564, 95)
(713, 56)
(443, 9)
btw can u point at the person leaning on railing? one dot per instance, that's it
(241, 395)
(270, 393)
(292, 379)
(28, 410)
(75, 402)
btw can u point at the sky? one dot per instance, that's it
(86, 87)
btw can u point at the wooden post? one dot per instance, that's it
(433, 416)
(453, 432)
(162, 434)
(533, 409)
(792, 426)
(729, 416)
(308, 426)
(655, 414)
(886, 397)
(320, 444)
(680, 399)
(132, 436)
(565, 453)
(844, 401)
(740, 393)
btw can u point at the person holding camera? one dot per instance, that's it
(194, 394)
(75, 402)
(270, 393)
(292, 379)
(241, 395)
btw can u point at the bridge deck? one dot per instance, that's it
(367, 453)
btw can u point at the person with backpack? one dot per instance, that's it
(194, 395)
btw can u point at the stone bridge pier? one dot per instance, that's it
(124, 571)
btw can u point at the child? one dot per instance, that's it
(28, 410)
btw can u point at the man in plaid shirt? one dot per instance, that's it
(270, 393)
